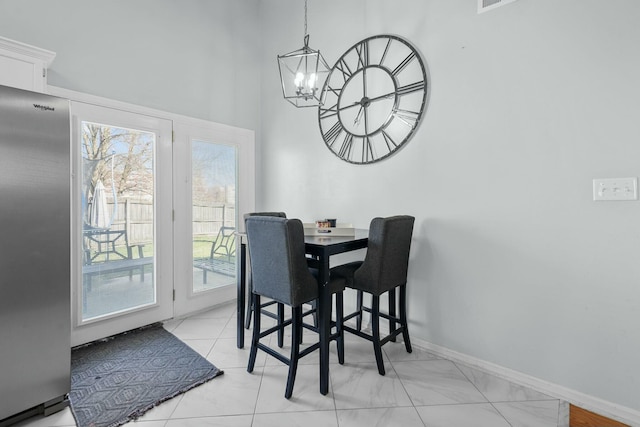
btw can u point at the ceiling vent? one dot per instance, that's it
(486, 5)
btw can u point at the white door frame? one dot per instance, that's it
(246, 191)
(186, 131)
(162, 309)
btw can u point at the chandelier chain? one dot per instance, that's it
(305, 18)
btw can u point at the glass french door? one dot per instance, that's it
(122, 221)
(210, 196)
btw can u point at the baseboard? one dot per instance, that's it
(608, 409)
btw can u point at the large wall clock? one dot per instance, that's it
(373, 99)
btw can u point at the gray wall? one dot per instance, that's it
(195, 57)
(512, 261)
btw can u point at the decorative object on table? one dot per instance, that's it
(119, 378)
(280, 272)
(325, 227)
(383, 270)
(374, 99)
(302, 73)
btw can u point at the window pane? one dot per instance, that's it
(214, 215)
(118, 219)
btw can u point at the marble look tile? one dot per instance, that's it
(306, 391)
(396, 352)
(360, 386)
(199, 329)
(309, 338)
(436, 382)
(379, 417)
(163, 411)
(202, 347)
(362, 397)
(530, 414)
(225, 354)
(496, 389)
(357, 350)
(228, 421)
(171, 324)
(230, 331)
(220, 311)
(233, 393)
(135, 423)
(63, 418)
(476, 415)
(296, 419)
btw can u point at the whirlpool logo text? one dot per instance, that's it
(43, 107)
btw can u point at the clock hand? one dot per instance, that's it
(358, 116)
(385, 96)
(366, 121)
(350, 106)
(368, 101)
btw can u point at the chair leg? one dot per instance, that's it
(359, 309)
(295, 349)
(280, 322)
(375, 329)
(339, 330)
(314, 306)
(300, 330)
(256, 332)
(247, 322)
(392, 312)
(403, 318)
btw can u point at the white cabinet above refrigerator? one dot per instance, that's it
(24, 66)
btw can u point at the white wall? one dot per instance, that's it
(195, 57)
(512, 262)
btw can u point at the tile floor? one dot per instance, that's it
(419, 389)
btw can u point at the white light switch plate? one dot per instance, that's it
(615, 189)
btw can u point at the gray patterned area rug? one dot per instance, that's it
(118, 379)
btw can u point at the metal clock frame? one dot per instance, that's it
(326, 113)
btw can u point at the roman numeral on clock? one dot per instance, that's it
(332, 134)
(410, 88)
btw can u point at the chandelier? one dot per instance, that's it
(302, 73)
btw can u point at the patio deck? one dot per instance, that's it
(117, 292)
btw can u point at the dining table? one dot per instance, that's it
(319, 249)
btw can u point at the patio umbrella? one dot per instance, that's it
(99, 212)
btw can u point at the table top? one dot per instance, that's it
(324, 240)
(326, 244)
(331, 245)
(327, 240)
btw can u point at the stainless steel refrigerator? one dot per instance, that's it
(35, 353)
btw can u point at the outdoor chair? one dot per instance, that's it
(222, 256)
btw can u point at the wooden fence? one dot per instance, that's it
(136, 217)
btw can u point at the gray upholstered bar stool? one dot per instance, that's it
(279, 315)
(384, 269)
(280, 273)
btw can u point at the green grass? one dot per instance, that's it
(201, 249)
